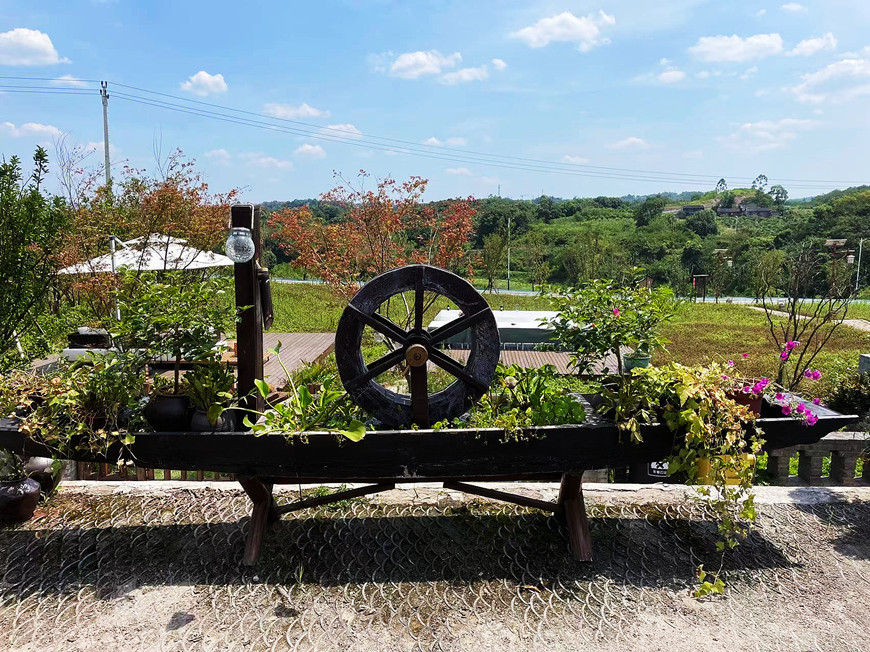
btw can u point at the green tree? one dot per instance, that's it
(536, 259)
(493, 258)
(721, 187)
(31, 226)
(547, 210)
(779, 195)
(703, 223)
(650, 209)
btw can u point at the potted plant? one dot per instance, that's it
(175, 319)
(602, 317)
(209, 387)
(19, 494)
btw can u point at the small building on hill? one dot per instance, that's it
(691, 209)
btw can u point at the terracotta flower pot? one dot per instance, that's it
(749, 400)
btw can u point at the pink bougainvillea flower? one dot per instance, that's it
(801, 409)
(779, 396)
(811, 419)
(746, 390)
(817, 401)
(724, 377)
(764, 382)
(786, 409)
(616, 312)
(784, 355)
(791, 344)
(731, 363)
(808, 374)
(745, 355)
(817, 374)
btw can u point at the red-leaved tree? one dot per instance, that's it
(380, 229)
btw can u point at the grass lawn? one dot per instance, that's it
(707, 332)
(301, 308)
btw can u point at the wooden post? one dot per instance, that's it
(249, 329)
(262, 514)
(574, 510)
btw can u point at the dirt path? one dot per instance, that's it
(859, 324)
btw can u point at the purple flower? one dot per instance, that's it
(816, 401)
(801, 409)
(784, 355)
(779, 396)
(616, 312)
(757, 388)
(817, 374)
(786, 409)
(808, 374)
(724, 377)
(731, 363)
(745, 355)
(764, 382)
(746, 390)
(811, 419)
(791, 344)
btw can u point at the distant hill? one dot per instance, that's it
(828, 197)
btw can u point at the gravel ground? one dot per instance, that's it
(156, 566)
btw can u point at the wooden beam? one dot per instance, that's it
(315, 501)
(516, 499)
(260, 494)
(249, 330)
(574, 510)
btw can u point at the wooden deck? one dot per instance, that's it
(534, 359)
(296, 350)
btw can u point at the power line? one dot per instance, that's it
(436, 152)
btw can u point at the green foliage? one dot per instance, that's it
(31, 231)
(209, 384)
(601, 317)
(650, 209)
(519, 398)
(11, 467)
(176, 317)
(703, 223)
(852, 396)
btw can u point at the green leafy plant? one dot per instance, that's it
(209, 386)
(520, 398)
(11, 467)
(176, 318)
(329, 410)
(602, 317)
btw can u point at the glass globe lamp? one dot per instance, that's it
(240, 246)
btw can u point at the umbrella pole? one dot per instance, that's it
(115, 276)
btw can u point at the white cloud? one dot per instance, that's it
(810, 46)
(218, 155)
(464, 75)
(346, 130)
(499, 64)
(671, 76)
(290, 112)
(203, 84)
(761, 12)
(69, 80)
(412, 65)
(566, 27)
(434, 142)
(665, 61)
(100, 147)
(750, 72)
(311, 151)
(794, 8)
(632, 142)
(735, 49)
(259, 161)
(831, 82)
(575, 160)
(457, 141)
(30, 129)
(462, 172)
(27, 47)
(766, 135)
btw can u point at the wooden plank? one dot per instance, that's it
(516, 499)
(574, 510)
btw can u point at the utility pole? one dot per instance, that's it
(104, 94)
(858, 275)
(509, 251)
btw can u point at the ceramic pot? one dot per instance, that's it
(199, 422)
(18, 499)
(169, 412)
(630, 362)
(45, 472)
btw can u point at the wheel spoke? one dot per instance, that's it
(418, 305)
(381, 324)
(450, 365)
(378, 367)
(456, 326)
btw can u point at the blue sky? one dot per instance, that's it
(566, 98)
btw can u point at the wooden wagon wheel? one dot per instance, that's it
(415, 347)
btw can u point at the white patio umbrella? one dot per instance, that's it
(154, 253)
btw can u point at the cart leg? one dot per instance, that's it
(262, 514)
(574, 511)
